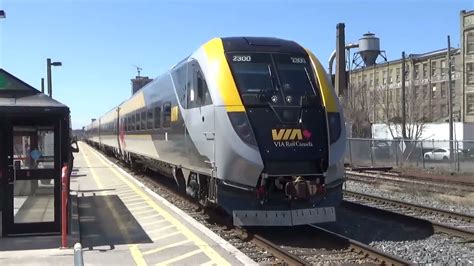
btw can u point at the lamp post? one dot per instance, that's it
(48, 73)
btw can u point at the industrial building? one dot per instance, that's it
(375, 92)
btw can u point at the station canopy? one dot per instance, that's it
(16, 93)
(13, 86)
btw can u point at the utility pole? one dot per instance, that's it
(48, 76)
(450, 101)
(404, 118)
(341, 80)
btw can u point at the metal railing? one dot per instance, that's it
(423, 154)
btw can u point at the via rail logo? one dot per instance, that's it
(291, 137)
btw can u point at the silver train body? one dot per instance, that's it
(252, 125)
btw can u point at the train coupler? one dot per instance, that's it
(304, 189)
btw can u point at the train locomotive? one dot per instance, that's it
(249, 124)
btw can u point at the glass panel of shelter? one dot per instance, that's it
(33, 200)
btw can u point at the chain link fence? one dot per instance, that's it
(423, 154)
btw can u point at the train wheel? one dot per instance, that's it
(179, 178)
(192, 188)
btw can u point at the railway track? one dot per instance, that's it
(428, 184)
(452, 223)
(365, 250)
(336, 249)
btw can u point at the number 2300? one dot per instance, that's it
(242, 58)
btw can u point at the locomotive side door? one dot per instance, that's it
(200, 114)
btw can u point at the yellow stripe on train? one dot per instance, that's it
(225, 81)
(326, 89)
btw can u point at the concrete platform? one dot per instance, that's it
(123, 223)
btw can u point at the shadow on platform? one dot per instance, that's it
(15, 243)
(106, 221)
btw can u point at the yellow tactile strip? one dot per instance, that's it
(168, 224)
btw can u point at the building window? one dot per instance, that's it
(425, 91)
(426, 111)
(384, 77)
(376, 79)
(470, 73)
(433, 93)
(443, 89)
(425, 70)
(470, 42)
(407, 72)
(397, 77)
(453, 88)
(443, 109)
(417, 71)
(416, 91)
(390, 95)
(470, 103)
(371, 79)
(443, 67)
(390, 77)
(433, 68)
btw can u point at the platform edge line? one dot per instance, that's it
(239, 255)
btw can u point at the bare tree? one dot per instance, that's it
(415, 116)
(357, 111)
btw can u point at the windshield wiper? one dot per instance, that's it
(262, 94)
(309, 79)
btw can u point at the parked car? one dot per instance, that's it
(439, 154)
(467, 154)
(381, 149)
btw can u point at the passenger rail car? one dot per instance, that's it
(250, 124)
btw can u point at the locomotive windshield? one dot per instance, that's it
(278, 79)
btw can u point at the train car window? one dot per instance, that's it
(197, 90)
(137, 121)
(143, 120)
(191, 85)
(132, 124)
(204, 97)
(129, 122)
(167, 114)
(149, 121)
(254, 77)
(179, 79)
(157, 117)
(293, 72)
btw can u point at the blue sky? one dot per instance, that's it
(100, 41)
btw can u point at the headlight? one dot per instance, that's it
(241, 125)
(334, 126)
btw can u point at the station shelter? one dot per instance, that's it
(34, 146)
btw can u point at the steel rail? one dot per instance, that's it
(366, 250)
(274, 249)
(464, 186)
(426, 209)
(437, 227)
